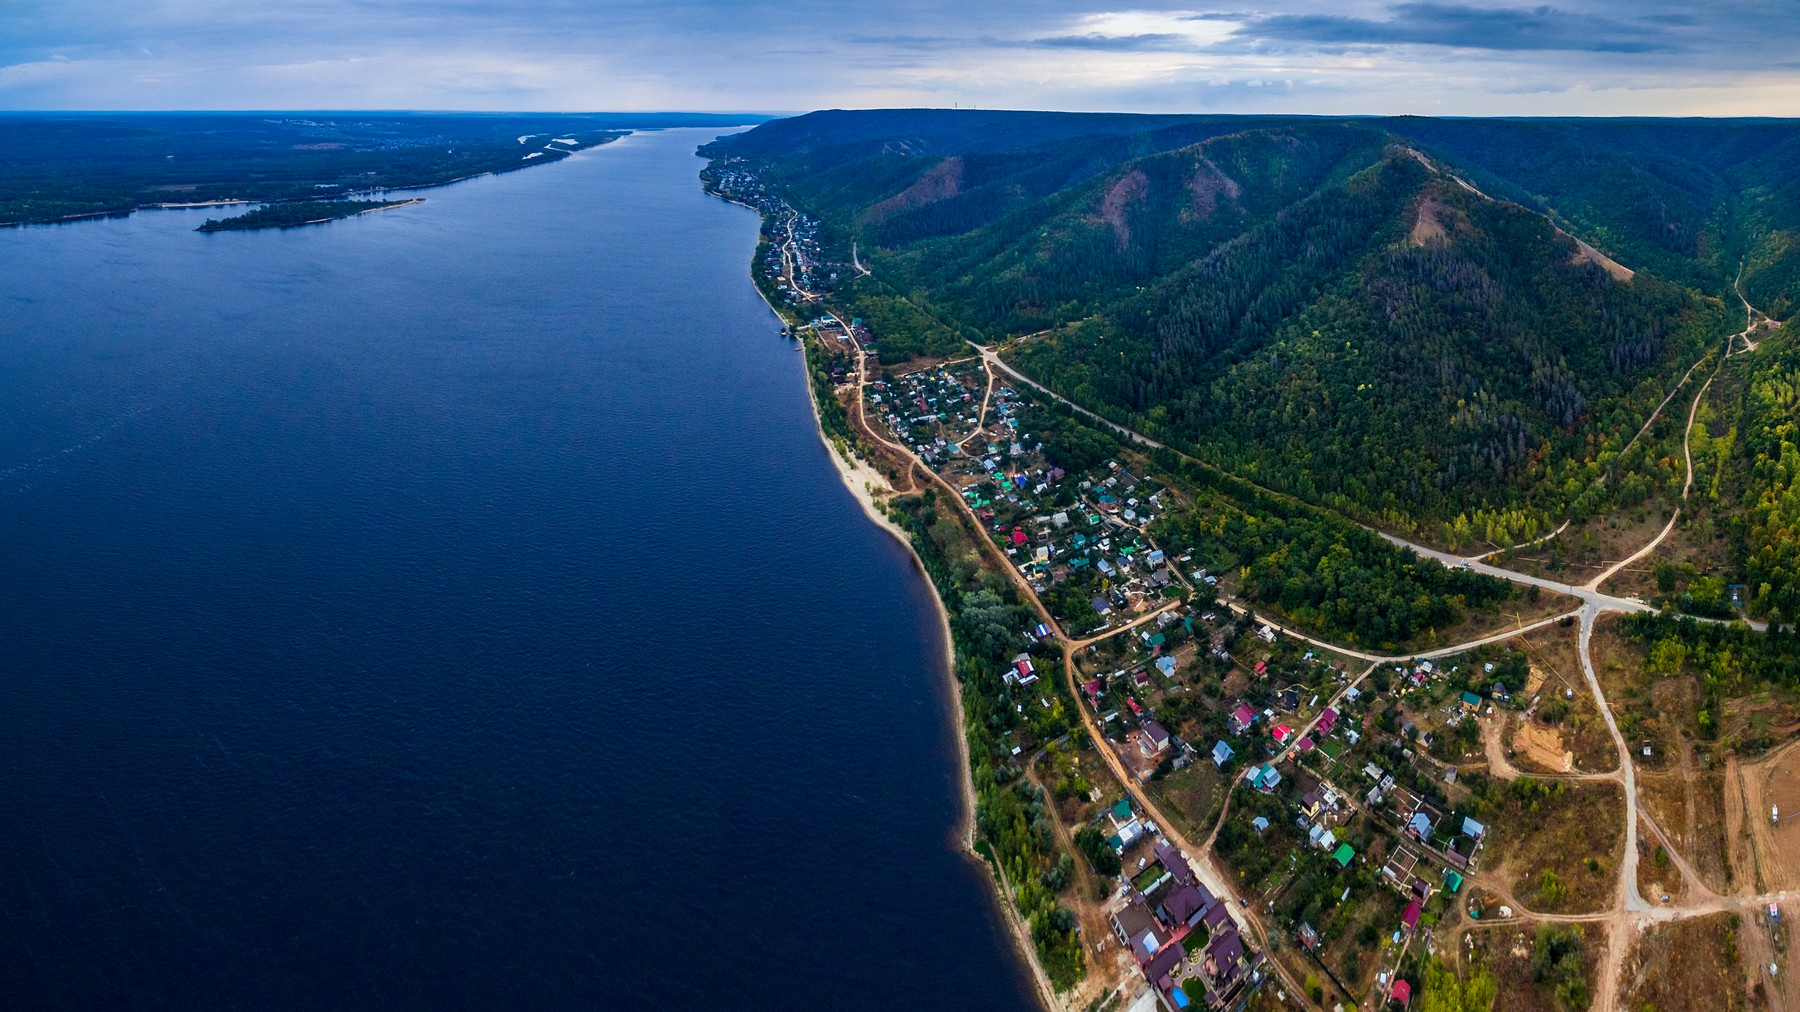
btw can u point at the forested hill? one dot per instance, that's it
(1393, 316)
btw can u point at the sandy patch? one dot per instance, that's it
(1542, 746)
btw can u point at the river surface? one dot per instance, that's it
(453, 607)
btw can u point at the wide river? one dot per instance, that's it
(454, 607)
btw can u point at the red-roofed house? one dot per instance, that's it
(1401, 993)
(1410, 919)
(1241, 719)
(1281, 733)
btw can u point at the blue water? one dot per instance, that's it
(453, 607)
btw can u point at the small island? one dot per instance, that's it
(306, 212)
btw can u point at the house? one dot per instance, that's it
(1409, 919)
(1185, 904)
(1474, 829)
(1224, 956)
(1121, 814)
(1137, 929)
(1309, 936)
(1310, 803)
(1264, 778)
(1166, 665)
(1281, 734)
(1093, 688)
(1259, 824)
(1401, 993)
(1161, 965)
(1262, 667)
(1100, 605)
(1221, 754)
(1343, 855)
(1419, 826)
(1155, 739)
(1470, 702)
(1241, 719)
(1173, 862)
(1022, 671)
(1326, 721)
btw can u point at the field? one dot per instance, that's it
(1690, 808)
(1557, 844)
(1192, 795)
(1774, 782)
(1505, 952)
(1673, 965)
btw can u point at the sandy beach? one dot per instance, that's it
(866, 484)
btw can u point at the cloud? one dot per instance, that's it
(1149, 42)
(1463, 57)
(1457, 26)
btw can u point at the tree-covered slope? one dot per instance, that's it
(1391, 343)
(1404, 318)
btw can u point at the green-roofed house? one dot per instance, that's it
(1121, 812)
(1471, 702)
(1452, 881)
(1343, 855)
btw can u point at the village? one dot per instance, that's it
(1272, 819)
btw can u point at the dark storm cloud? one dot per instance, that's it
(1458, 26)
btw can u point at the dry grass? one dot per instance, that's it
(1684, 965)
(1506, 953)
(1573, 830)
(1554, 652)
(1191, 797)
(1690, 808)
(1585, 551)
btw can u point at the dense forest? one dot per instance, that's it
(1391, 317)
(59, 166)
(1769, 527)
(1317, 568)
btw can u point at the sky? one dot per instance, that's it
(1339, 57)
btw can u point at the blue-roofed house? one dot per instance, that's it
(1221, 754)
(1473, 829)
(1259, 824)
(1420, 826)
(1264, 778)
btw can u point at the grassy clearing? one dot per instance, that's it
(1557, 843)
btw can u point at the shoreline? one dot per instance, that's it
(858, 479)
